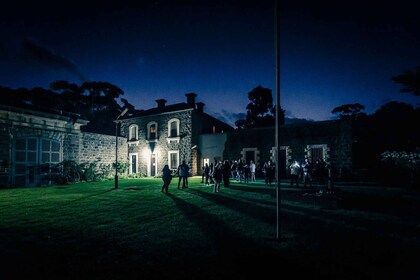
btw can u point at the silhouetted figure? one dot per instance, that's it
(203, 173)
(246, 173)
(211, 173)
(207, 173)
(218, 175)
(183, 172)
(226, 173)
(240, 170)
(268, 170)
(166, 177)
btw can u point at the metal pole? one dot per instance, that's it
(116, 146)
(277, 130)
(116, 155)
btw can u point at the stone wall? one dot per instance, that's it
(161, 146)
(336, 136)
(93, 146)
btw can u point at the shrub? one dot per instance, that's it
(67, 171)
(401, 168)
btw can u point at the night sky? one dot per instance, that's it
(331, 54)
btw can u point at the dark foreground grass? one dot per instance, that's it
(93, 231)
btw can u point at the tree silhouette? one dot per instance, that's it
(93, 101)
(410, 81)
(350, 111)
(260, 111)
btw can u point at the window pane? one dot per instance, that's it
(32, 156)
(152, 132)
(133, 133)
(55, 157)
(45, 145)
(45, 157)
(20, 169)
(55, 146)
(174, 132)
(20, 144)
(20, 156)
(173, 160)
(32, 144)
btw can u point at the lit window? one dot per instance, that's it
(133, 134)
(152, 131)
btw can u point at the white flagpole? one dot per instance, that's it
(277, 130)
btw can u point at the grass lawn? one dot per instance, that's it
(93, 231)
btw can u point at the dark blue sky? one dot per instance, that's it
(331, 54)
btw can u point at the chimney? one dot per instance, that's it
(200, 106)
(160, 103)
(191, 99)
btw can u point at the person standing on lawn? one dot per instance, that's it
(166, 177)
(218, 175)
(183, 172)
(294, 173)
(252, 169)
(226, 173)
(307, 173)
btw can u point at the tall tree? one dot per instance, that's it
(261, 110)
(349, 111)
(410, 81)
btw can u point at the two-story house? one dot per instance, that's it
(168, 134)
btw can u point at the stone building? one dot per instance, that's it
(168, 134)
(31, 141)
(330, 140)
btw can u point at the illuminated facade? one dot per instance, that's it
(168, 134)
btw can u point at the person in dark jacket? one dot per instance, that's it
(183, 172)
(166, 177)
(226, 173)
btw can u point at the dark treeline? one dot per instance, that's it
(97, 102)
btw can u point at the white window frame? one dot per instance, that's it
(256, 154)
(130, 136)
(170, 137)
(325, 151)
(169, 159)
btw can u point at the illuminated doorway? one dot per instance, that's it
(153, 165)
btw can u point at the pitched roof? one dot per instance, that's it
(159, 110)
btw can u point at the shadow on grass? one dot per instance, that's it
(247, 188)
(263, 214)
(236, 256)
(134, 189)
(92, 195)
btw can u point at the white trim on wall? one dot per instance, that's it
(169, 159)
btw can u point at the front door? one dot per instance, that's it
(153, 165)
(249, 155)
(133, 169)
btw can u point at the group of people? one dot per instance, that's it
(223, 171)
(220, 171)
(183, 173)
(308, 172)
(216, 173)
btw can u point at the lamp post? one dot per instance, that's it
(116, 146)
